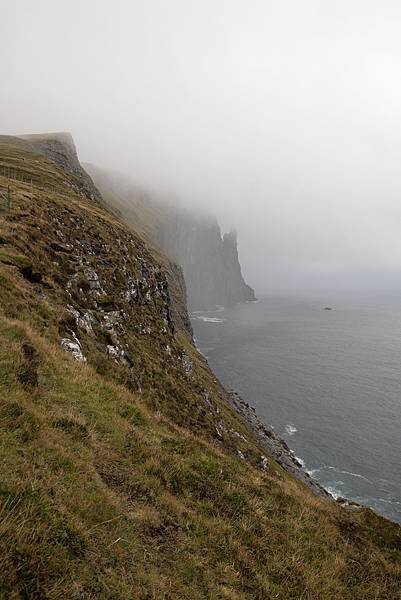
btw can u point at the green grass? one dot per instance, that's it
(102, 497)
(114, 486)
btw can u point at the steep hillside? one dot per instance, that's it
(125, 472)
(209, 261)
(60, 148)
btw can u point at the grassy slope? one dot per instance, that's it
(141, 213)
(111, 489)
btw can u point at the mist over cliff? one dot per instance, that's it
(192, 239)
(209, 260)
(283, 118)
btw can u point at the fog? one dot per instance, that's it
(282, 117)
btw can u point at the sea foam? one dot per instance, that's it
(290, 429)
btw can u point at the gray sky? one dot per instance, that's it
(284, 117)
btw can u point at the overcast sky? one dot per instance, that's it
(284, 117)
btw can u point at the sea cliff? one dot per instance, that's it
(126, 472)
(192, 239)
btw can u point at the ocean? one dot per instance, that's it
(329, 381)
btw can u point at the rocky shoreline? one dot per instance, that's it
(273, 444)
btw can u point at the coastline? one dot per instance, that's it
(264, 432)
(273, 444)
(278, 447)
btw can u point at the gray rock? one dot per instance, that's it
(74, 347)
(186, 364)
(113, 351)
(92, 278)
(274, 445)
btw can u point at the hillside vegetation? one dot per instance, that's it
(124, 472)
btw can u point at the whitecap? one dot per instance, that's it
(389, 501)
(301, 462)
(210, 319)
(312, 472)
(333, 491)
(349, 473)
(290, 429)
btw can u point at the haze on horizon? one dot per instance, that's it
(282, 117)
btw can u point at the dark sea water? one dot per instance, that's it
(328, 381)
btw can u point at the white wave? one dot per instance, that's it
(290, 429)
(349, 473)
(333, 491)
(331, 488)
(210, 319)
(390, 501)
(301, 462)
(312, 472)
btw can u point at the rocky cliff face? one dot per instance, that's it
(60, 148)
(209, 261)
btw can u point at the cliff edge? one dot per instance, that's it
(60, 148)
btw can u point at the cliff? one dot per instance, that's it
(125, 470)
(60, 148)
(210, 262)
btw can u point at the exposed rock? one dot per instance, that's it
(349, 504)
(274, 445)
(113, 352)
(92, 277)
(74, 347)
(131, 293)
(57, 247)
(112, 320)
(186, 364)
(85, 321)
(127, 358)
(60, 148)
(238, 435)
(205, 396)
